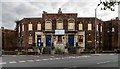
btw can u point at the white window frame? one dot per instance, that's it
(19, 28)
(70, 24)
(23, 28)
(59, 25)
(89, 26)
(30, 26)
(80, 26)
(46, 22)
(39, 26)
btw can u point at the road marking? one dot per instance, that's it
(57, 58)
(38, 60)
(44, 59)
(103, 62)
(50, 58)
(30, 60)
(22, 61)
(3, 63)
(111, 54)
(13, 62)
(62, 58)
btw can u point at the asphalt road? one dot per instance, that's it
(98, 60)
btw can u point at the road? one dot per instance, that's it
(98, 60)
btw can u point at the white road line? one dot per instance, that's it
(103, 62)
(62, 58)
(111, 54)
(12, 62)
(57, 58)
(50, 58)
(44, 59)
(3, 63)
(38, 60)
(22, 61)
(30, 60)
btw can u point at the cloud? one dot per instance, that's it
(18, 9)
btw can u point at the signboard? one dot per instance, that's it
(59, 32)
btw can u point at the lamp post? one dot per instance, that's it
(96, 28)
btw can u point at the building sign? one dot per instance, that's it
(59, 32)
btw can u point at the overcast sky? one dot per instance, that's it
(18, 9)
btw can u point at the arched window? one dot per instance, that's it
(59, 24)
(71, 24)
(48, 24)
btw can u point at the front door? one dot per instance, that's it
(70, 40)
(39, 41)
(48, 40)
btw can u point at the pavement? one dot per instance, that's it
(67, 61)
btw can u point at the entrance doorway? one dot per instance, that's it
(48, 40)
(70, 40)
(39, 40)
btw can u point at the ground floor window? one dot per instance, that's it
(59, 38)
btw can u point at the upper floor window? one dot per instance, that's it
(97, 27)
(39, 26)
(22, 27)
(48, 24)
(19, 28)
(101, 28)
(59, 24)
(80, 26)
(89, 26)
(71, 24)
(30, 27)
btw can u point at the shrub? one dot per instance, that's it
(58, 51)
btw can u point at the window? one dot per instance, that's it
(22, 27)
(39, 26)
(59, 38)
(19, 29)
(80, 26)
(71, 24)
(30, 27)
(113, 29)
(101, 28)
(89, 26)
(59, 24)
(80, 38)
(30, 39)
(97, 27)
(48, 24)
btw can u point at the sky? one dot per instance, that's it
(12, 10)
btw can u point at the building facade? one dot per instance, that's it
(60, 30)
(67, 32)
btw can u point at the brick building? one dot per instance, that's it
(63, 30)
(9, 41)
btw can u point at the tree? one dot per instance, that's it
(109, 4)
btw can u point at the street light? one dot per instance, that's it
(95, 27)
